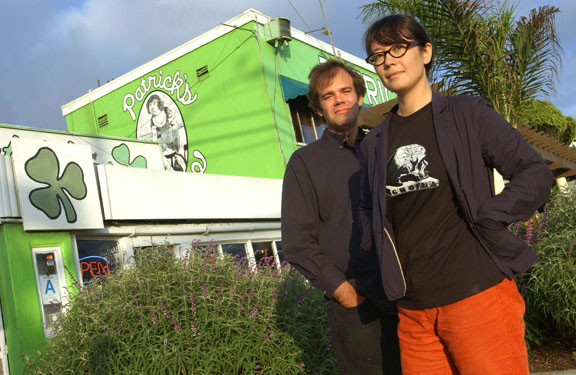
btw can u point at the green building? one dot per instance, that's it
(233, 99)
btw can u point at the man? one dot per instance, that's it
(319, 228)
(429, 207)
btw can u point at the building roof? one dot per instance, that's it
(201, 40)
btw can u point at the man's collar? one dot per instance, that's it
(339, 140)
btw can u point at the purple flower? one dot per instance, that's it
(219, 291)
(254, 313)
(528, 235)
(300, 297)
(204, 266)
(204, 289)
(194, 328)
(176, 324)
(214, 257)
(164, 309)
(192, 305)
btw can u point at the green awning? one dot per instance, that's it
(292, 88)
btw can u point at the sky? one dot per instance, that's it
(54, 51)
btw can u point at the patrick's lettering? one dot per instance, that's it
(176, 85)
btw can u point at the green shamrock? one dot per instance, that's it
(45, 169)
(8, 149)
(122, 155)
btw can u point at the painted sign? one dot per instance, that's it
(92, 267)
(56, 186)
(207, 116)
(103, 150)
(195, 196)
(160, 120)
(50, 289)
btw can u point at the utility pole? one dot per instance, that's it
(327, 28)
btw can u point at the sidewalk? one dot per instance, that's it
(565, 372)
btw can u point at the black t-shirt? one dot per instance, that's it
(442, 260)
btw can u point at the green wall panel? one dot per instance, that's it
(18, 292)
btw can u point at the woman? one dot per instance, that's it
(429, 208)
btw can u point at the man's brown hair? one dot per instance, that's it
(323, 73)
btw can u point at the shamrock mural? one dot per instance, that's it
(122, 156)
(8, 149)
(44, 168)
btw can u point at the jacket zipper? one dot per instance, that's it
(397, 258)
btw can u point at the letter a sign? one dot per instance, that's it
(50, 289)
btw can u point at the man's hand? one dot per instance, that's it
(346, 295)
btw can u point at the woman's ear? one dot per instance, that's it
(426, 52)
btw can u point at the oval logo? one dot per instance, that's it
(160, 120)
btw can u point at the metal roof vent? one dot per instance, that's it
(102, 121)
(280, 33)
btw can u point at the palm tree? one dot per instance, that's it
(481, 48)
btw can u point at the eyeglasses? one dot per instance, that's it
(396, 51)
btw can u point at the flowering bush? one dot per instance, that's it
(549, 287)
(196, 314)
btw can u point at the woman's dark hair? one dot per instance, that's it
(151, 100)
(394, 29)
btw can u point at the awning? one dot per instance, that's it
(292, 88)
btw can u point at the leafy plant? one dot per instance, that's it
(549, 287)
(569, 134)
(543, 116)
(481, 48)
(195, 314)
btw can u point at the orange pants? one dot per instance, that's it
(479, 335)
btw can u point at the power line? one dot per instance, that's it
(299, 15)
(325, 29)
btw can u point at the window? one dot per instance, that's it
(237, 250)
(98, 257)
(263, 253)
(278, 245)
(307, 126)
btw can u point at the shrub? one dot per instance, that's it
(543, 116)
(569, 135)
(549, 287)
(196, 314)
